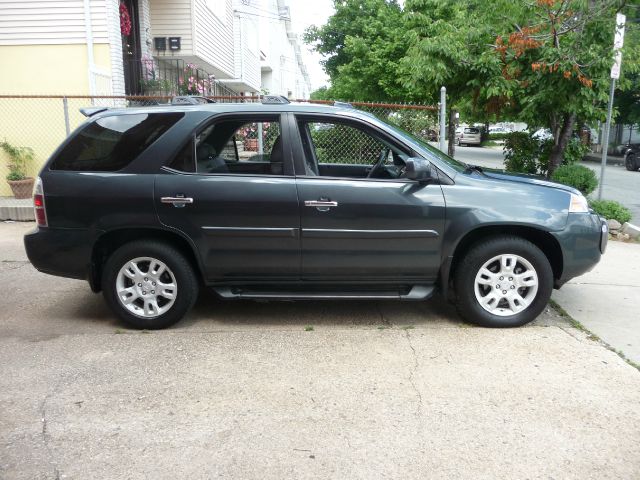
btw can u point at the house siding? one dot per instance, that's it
(214, 38)
(172, 18)
(50, 22)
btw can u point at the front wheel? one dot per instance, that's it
(631, 163)
(503, 282)
(149, 284)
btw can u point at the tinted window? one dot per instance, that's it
(113, 142)
(235, 146)
(473, 131)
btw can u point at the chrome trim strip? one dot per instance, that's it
(345, 233)
(251, 231)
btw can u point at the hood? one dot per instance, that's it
(528, 179)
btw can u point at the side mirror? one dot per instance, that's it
(418, 169)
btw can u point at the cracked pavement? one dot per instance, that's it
(241, 390)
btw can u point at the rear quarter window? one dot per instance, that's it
(111, 143)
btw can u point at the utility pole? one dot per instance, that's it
(615, 75)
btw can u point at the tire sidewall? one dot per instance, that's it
(175, 261)
(630, 162)
(470, 308)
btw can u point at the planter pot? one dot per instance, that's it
(251, 144)
(22, 188)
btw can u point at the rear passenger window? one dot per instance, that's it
(111, 143)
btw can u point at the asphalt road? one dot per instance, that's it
(248, 390)
(619, 184)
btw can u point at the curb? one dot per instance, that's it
(611, 159)
(18, 210)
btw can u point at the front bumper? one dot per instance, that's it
(583, 242)
(60, 251)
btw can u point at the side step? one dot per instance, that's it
(417, 292)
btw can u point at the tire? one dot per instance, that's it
(631, 162)
(177, 282)
(528, 265)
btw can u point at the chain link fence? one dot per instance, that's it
(43, 122)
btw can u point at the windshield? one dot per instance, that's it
(459, 166)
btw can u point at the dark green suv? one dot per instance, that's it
(290, 201)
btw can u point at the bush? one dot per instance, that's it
(576, 176)
(524, 154)
(521, 153)
(497, 136)
(611, 210)
(574, 152)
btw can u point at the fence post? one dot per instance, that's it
(65, 105)
(443, 118)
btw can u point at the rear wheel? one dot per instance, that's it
(503, 282)
(631, 162)
(149, 284)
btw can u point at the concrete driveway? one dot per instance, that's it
(243, 390)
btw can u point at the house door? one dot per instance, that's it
(131, 48)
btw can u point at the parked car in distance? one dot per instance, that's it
(631, 152)
(542, 134)
(151, 204)
(468, 136)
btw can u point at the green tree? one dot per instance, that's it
(364, 42)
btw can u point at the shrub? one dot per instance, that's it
(497, 136)
(611, 209)
(574, 152)
(576, 176)
(521, 153)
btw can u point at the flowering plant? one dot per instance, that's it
(125, 20)
(190, 84)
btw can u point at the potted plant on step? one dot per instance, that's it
(20, 158)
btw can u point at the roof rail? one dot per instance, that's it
(343, 105)
(274, 100)
(91, 111)
(190, 100)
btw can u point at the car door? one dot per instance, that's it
(355, 228)
(236, 203)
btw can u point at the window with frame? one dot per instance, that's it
(112, 142)
(234, 146)
(343, 149)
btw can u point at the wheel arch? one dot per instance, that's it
(544, 240)
(110, 241)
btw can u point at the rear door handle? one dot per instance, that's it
(177, 201)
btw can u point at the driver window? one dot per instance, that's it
(343, 150)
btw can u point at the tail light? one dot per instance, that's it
(38, 203)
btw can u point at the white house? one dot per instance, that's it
(282, 66)
(119, 47)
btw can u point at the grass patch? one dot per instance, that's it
(408, 327)
(118, 331)
(308, 328)
(490, 143)
(590, 335)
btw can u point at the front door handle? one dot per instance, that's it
(178, 202)
(322, 205)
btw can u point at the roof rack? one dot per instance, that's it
(274, 100)
(190, 100)
(91, 111)
(343, 105)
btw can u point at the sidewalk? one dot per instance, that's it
(607, 299)
(597, 158)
